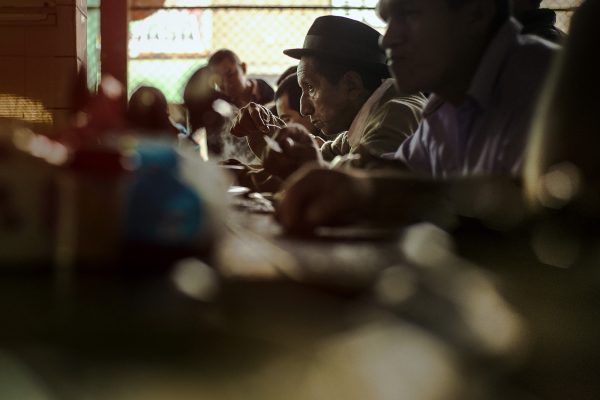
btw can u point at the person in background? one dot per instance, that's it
(199, 97)
(484, 78)
(537, 21)
(147, 110)
(287, 102)
(289, 71)
(234, 83)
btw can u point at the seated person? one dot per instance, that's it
(199, 98)
(147, 110)
(484, 79)
(287, 102)
(537, 21)
(234, 83)
(343, 93)
(564, 134)
(289, 71)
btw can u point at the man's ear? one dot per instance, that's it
(352, 84)
(243, 66)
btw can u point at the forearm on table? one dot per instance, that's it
(398, 197)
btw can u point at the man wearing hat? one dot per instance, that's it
(342, 73)
(484, 78)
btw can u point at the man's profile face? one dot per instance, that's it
(289, 115)
(424, 42)
(232, 78)
(327, 104)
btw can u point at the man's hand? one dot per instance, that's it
(254, 122)
(254, 119)
(291, 147)
(237, 169)
(313, 197)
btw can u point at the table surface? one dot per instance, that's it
(350, 313)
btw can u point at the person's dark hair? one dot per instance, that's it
(536, 3)
(290, 86)
(286, 73)
(503, 10)
(199, 95)
(223, 54)
(147, 109)
(334, 70)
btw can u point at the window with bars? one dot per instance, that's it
(170, 39)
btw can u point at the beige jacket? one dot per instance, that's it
(382, 124)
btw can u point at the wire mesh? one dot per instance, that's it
(171, 41)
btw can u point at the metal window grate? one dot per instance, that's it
(169, 44)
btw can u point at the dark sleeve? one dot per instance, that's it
(265, 92)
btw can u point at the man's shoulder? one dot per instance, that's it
(541, 22)
(393, 99)
(527, 66)
(532, 52)
(539, 46)
(412, 100)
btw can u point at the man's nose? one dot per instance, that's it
(306, 107)
(394, 34)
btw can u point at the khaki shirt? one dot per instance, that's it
(387, 119)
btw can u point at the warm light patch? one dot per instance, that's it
(24, 109)
(40, 146)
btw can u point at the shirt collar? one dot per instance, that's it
(491, 64)
(359, 121)
(433, 103)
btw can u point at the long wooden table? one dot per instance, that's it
(355, 313)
